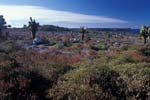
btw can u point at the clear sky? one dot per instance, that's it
(74, 13)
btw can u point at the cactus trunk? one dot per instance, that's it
(145, 40)
(82, 36)
(33, 35)
(33, 26)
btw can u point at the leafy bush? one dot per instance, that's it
(89, 82)
(130, 56)
(147, 71)
(145, 51)
(59, 45)
(125, 47)
(102, 47)
(23, 84)
(137, 77)
(28, 74)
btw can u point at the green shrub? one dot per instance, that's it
(129, 56)
(145, 51)
(147, 70)
(137, 77)
(123, 59)
(59, 45)
(125, 47)
(100, 47)
(90, 82)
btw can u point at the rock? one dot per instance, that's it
(38, 41)
(116, 44)
(75, 40)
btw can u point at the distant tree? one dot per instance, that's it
(2, 24)
(145, 33)
(33, 26)
(82, 31)
(25, 26)
(9, 26)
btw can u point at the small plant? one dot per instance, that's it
(33, 26)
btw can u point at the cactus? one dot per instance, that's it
(82, 31)
(2, 24)
(145, 33)
(33, 26)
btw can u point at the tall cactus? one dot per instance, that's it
(2, 24)
(82, 31)
(33, 26)
(145, 33)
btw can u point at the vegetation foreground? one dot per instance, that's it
(117, 74)
(103, 66)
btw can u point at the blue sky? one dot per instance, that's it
(75, 13)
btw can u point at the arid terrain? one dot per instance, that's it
(74, 50)
(104, 66)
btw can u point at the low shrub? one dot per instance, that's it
(130, 56)
(100, 47)
(9, 46)
(137, 77)
(145, 51)
(90, 82)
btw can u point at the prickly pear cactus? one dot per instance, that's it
(145, 33)
(2, 24)
(33, 26)
(82, 31)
